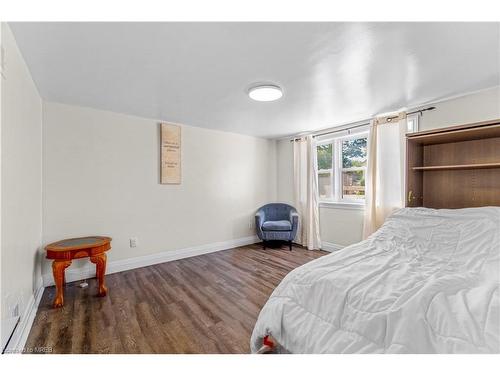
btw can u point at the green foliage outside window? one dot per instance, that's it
(325, 154)
(354, 153)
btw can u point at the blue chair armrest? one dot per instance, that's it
(294, 220)
(260, 218)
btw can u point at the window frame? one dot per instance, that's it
(337, 169)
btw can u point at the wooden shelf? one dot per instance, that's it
(457, 166)
(482, 130)
(454, 167)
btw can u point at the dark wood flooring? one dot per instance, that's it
(203, 304)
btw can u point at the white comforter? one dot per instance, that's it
(426, 282)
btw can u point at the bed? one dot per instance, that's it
(426, 282)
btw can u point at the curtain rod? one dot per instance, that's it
(363, 124)
(421, 110)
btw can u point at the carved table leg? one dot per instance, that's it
(100, 265)
(58, 267)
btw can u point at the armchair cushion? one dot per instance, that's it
(284, 225)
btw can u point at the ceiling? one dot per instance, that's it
(198, 73)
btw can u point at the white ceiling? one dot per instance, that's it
(197, 73)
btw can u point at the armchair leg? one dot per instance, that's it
(264, 245)
(290, 244)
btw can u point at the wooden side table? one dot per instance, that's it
(63, 252)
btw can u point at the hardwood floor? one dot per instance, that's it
(203, 304)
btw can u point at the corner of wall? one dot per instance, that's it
(22, 115)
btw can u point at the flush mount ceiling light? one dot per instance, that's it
(265, 92)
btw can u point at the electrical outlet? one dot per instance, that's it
(251, 224)
(17, 305)
(12, 305)
(133, 241)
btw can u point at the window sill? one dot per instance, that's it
(343, 205)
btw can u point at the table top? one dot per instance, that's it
(78, 243)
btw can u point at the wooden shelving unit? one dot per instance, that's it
(457, 166)
(454, 167)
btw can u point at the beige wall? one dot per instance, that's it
(101, 176)
(340, 226)
(480, 106)
(284, 149)
(21, 178)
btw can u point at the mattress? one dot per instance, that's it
(426, 282)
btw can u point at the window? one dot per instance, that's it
(353, 168)
(342, 169)
(412, 123)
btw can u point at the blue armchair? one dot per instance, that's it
(277, 222)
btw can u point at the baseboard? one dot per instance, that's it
(18, 340)
(148, 260)
(329, 246)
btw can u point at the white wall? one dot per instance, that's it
(101, 176)
(21, 178)
(480, 106)
(285, 171)
(340, 226)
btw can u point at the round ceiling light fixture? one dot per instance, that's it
(265, 92)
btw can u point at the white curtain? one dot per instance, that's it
(305, 178)
(385, 170)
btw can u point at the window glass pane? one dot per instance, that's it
(354, 153)
(410, 125)
(325, 184)
(353, 184)
(325, 154)
(325, 171)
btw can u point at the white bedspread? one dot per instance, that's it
(426, 282)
